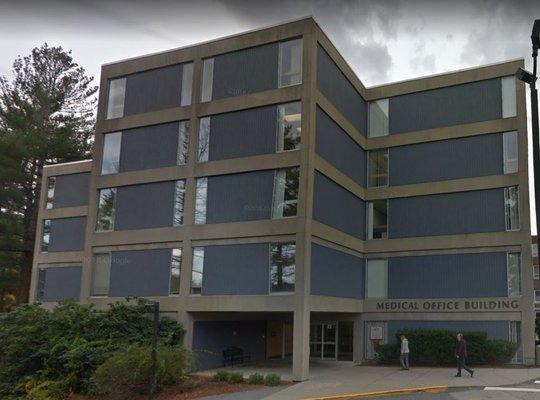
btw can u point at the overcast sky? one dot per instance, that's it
(383, 41)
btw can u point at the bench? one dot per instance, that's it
(232, 355)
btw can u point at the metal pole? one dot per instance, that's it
(536, 144)
(153, 368)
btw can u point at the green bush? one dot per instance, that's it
(500, 351)
(256, 379)
(387, 353)
(221, 376)
(272, 380)
(130, 369)
(47, 390)
(437, 346)
(68, 343)
(235, 377)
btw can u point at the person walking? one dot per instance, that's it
(461, 355)
(404, 356)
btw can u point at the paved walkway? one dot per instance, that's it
(332, 378)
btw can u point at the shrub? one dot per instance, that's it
(47, 390)
(387, 353)
(272, 380)
(221, 376)
(256, 379)
(130, 369)
(235, 377)
(436, 346)
(68, 343)
(500, 351)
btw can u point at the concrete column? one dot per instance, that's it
(358, 339)
(186, 319)
(301, 345)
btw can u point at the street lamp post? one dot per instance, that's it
(530, 78)
(154, 306)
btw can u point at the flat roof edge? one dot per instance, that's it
(67, 163)
(440, 74)
(307, 17)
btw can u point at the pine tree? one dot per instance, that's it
(47, 114)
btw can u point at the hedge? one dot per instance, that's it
(437, 346)
(50, 354)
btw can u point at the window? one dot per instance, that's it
(106, 210)
(201, 192)
(290, 63)
(40, 287)
(537, 296)
(115, 102)
(176, 264)
(110, 163)
(282, 263)
(204, 139)
(377, 219)
(197, 270)
(183, 143)
(378, 168)
(285, 192)
(536, 272)
(101, 275)
(514, 336)
(207, 79)
(513, 273)
(510, 152)
(378, 118)
(534, 249)
(51, 181)
(187, 82)
(508, 88)
(46, 237)
(289, 126)
(179, 195)
(376, 279)
(511, 208)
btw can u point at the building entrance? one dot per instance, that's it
(323, 340)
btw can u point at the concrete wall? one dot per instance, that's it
(446, 159)
(67, 234)
(453, 105)
(210, 338)
(154, 146)
(447, 276)
(339, 149)
(447, 214)
(335, 206)
(336, 273)
(71, 190)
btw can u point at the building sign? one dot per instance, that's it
(376, 333)
(440, 306)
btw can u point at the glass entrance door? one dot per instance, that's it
(323, 343)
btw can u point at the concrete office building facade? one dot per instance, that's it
(270, 201)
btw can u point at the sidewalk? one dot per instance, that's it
(343, 378)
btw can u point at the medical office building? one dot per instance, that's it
(270, 201)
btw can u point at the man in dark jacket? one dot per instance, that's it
(461, 355)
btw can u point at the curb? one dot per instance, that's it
(382, 393)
